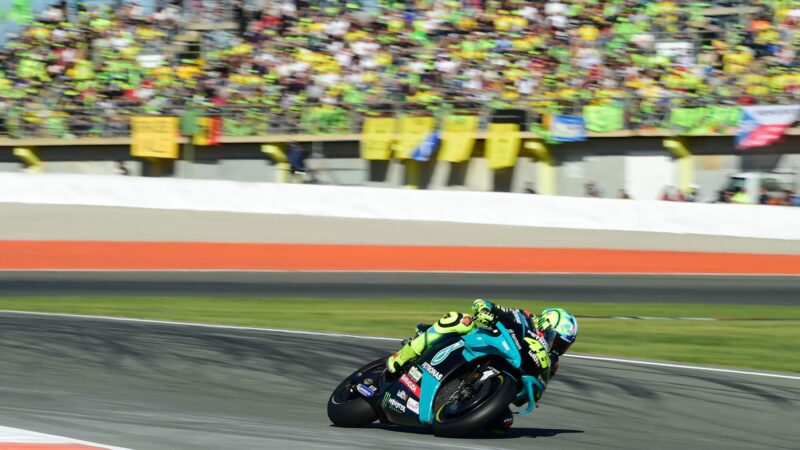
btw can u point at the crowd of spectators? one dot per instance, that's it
(738, 195)
(732, 194)
(556, 56)
(71, 73)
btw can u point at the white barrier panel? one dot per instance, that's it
(401, 204)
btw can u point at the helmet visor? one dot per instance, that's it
(560, 345)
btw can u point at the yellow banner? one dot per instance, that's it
(458, 138)
(502, 145)
(376, 138)
(154, 137)
(411, 133)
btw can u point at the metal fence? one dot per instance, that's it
(239, 121)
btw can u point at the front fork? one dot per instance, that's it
(529, 385)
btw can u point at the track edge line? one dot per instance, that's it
(385, 338)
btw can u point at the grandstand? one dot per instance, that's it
(320, 67)
(278, 70)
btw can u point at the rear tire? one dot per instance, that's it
(485, 410)
(349, 409)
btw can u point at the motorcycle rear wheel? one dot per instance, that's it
(348, 408)
(486, 404)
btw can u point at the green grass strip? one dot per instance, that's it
(768, 345)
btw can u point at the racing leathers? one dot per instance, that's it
(537, 360)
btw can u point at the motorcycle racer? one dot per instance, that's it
(552, 332)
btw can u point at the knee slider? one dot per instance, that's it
(450, 319)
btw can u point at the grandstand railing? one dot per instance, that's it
(681, 115)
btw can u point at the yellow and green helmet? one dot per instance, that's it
(565, 326)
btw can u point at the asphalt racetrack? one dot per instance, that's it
(767, 290)
(170, 387)
(145, 386)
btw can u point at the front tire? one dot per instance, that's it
(462, 417)
(347, 408)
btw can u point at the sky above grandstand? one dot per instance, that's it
(7, 26)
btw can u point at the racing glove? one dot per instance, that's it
(482, 311)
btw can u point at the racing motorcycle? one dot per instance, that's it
(457, 386)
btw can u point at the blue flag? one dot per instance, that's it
(427, 148)
(567, 128)
(747, 125)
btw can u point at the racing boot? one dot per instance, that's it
(452, 322)
(402, 356)
(502, 423)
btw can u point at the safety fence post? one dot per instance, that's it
(29, 157)
(546, 171)
(282, 165)
(680, 149)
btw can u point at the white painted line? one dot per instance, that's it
(19, 436)
(203, 325)
(681, 366)
(384, 338)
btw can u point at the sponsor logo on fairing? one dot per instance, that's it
(415, 373)
(413, 405)
(365, 391)
(409, 383)
(516, 342)
(431, 370)
(445, 352)
(402, 395)
(396, 406)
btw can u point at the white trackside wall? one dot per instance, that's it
(403, 204)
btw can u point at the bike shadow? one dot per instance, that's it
(513, 433)
(525, 432)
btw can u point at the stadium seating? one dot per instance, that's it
(296, 66)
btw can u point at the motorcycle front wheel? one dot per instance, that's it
(465, 403)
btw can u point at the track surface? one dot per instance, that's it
(149, 386)
(153, 386)
(587, 288)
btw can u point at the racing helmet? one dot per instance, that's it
(564, 328)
